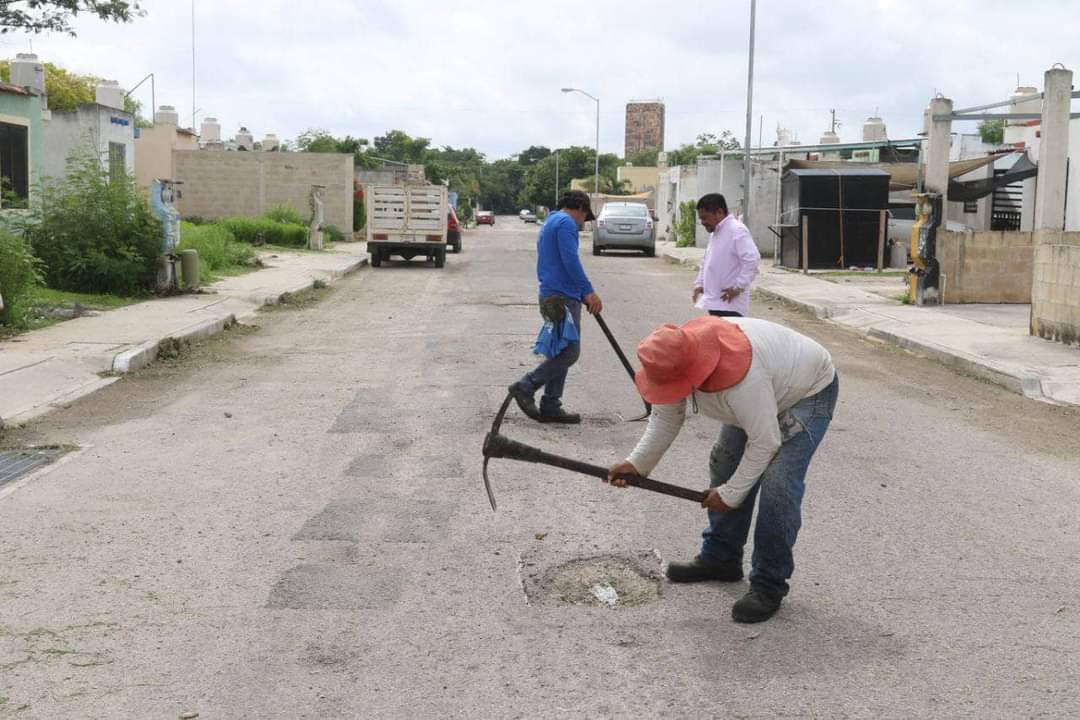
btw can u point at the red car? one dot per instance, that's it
(485, 217)
(453, 230)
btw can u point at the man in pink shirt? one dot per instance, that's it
(730, 264)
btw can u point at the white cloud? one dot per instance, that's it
(487, 73)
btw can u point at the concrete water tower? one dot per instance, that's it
(110, 94)
(167, 115)
(270, 142)
(873, 130)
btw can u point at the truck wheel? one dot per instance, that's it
(376, 258)
(440, 257)
(596, 250)
(457, 247)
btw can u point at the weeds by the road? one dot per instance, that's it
(300, 300)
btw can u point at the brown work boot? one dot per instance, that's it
(700, 571)
(756, 606)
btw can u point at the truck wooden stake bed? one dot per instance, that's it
(406, 220)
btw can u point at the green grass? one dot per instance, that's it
(220, 254)
(47, 297)
(271, 247)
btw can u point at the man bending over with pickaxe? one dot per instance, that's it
(774, 390)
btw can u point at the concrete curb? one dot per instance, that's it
(142, 355)
(822, 312)
(139, 357)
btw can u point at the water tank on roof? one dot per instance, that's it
(110, 94)
(873, 130)
(783, 136)
(166, 115)
(210, 130)
(244, 139)
(1025, 99)
(27, 72)
(270, 143)
(829, 138)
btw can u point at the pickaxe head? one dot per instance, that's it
(489, 440)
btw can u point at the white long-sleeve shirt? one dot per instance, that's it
(785, 367)
(731, 261)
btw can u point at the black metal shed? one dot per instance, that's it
(843, 212)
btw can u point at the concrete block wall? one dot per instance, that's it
(231, 184)
(986, 267)
(1055, 301)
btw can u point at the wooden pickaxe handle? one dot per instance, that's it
(500, 446)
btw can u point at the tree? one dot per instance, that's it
(533, 154)
(706, 144)
(992, 132)
(38, 16)
(645, 158)
(400, 147)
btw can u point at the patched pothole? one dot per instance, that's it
(605, 581)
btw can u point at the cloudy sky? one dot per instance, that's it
(487, 73)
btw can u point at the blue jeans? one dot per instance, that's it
(779, 493)
(551, 375)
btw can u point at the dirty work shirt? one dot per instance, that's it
(558, 265)
(731, 261)
(786, 367)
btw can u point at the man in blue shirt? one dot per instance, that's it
(563, 288)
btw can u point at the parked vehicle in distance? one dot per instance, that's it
(407, 221)
(524, 212)
(453, 229)
(527, 216)
(485, 217)
(625, 226)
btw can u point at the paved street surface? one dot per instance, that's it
(290, 523)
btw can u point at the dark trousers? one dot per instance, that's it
(551, 375)
(724, 313)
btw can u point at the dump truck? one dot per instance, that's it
(406, 220)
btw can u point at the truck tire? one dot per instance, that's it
(597, 250)
(440, 257)
(376, 258)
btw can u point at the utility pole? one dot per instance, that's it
(556, 179)
(749, 115)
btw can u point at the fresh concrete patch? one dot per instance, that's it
(602, 581)
(340, 520)
(142, 355)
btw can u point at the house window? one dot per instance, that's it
(117, 161)
(14, 166)
(971, 206)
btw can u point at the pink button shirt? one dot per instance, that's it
(731, 261)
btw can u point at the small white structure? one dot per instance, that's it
(103, 126)
(244, 139)
(270, 142)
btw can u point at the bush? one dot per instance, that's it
(261, 231)
(96, 234)
(359, 208)
(686, 224)
(332, 233)
(18, 275)
(218, 249)
(285, 214)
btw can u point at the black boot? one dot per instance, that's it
(698, 571)
(525, 401)
(559, 415)
(756, 606)
(552, 412)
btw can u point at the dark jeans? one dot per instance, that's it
(551, 375)
(725, 313)
(779, 493)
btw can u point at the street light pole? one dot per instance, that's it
(749, 117)
(596, 174)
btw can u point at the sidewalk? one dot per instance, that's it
(988, 341)
(51, 367)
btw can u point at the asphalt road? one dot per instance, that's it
(290, 523)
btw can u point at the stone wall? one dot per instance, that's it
(986, 266)
(1055, 299)
(230, 184)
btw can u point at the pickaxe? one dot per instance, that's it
(625, 363)
(497, 445)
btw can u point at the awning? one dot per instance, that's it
(902, 176)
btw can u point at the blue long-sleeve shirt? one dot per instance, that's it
(558, 265)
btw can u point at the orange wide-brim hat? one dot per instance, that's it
(707, 353)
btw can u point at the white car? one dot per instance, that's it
(527, 216)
